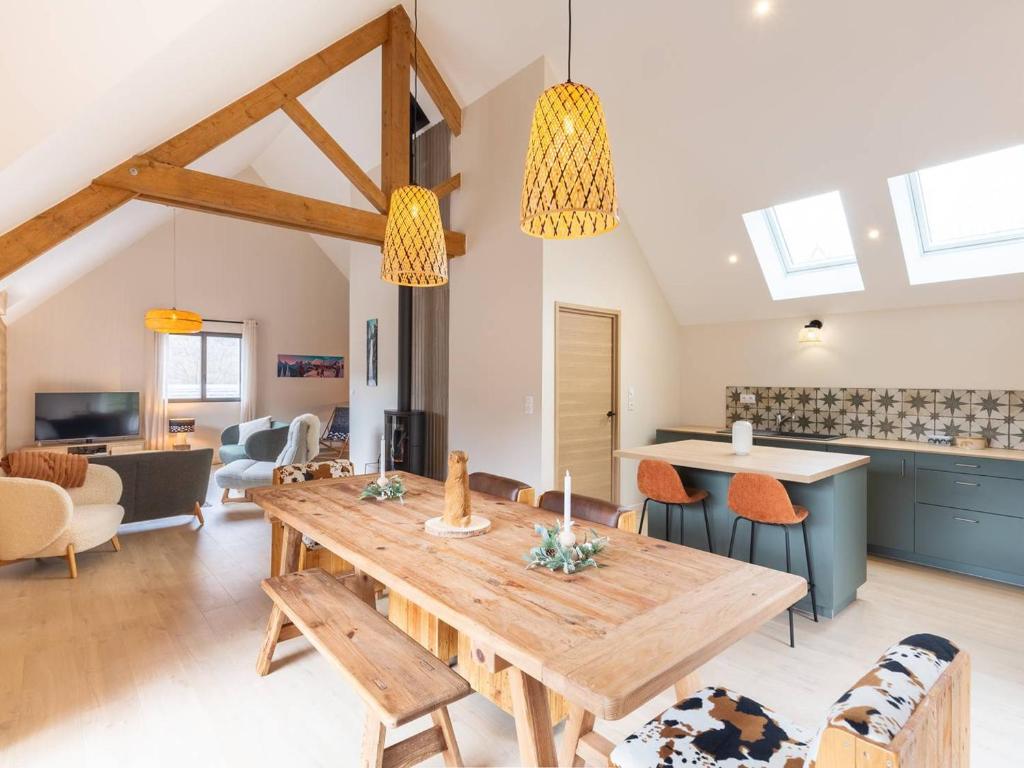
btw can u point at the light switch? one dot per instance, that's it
(630, 399)
(528, 405)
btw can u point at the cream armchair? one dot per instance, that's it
(40, 519)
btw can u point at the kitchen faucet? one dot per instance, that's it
(780, 420)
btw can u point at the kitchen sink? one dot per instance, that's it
(792, 435)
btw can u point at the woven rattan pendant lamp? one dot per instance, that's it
(569, 183)
(414, 249)
(174, 320)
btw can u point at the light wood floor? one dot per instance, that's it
(148, 659)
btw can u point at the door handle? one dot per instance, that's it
(966, 520)
(611, 414)
(964, 482)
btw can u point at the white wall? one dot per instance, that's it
(370, 297)
(610, 272)
(496, 289)
(969, 346)
(90, 336)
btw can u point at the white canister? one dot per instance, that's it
(742, 438)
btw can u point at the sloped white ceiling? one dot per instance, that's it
(712, 112)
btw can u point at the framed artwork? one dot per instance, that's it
(310, 367)
(371, 352)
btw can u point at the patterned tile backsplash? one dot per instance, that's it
(885, 413)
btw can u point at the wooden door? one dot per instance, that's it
(586, 399)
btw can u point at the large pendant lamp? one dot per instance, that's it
(174, 320)
(569, 183)
(414, 249)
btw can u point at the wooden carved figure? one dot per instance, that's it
(457, 512)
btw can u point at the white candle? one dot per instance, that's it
(382, 477)
(567, 492)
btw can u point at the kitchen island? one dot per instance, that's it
(833, 487)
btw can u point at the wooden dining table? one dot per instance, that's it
(609, 639)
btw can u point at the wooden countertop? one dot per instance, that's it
(886, 445)
(790, 464)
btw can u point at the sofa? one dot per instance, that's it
(161, 483)
(41, 519)
(301, 446)
(264, 445)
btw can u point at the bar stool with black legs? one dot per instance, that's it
(659, 482)
(763, 500)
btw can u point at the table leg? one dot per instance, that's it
(533, 720)
(364, 586)
(291, 544)
(686, 687)
(579, 724)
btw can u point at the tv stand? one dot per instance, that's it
(93, 447)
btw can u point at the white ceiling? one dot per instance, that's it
(712, 113)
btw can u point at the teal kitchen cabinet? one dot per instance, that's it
(890, 499)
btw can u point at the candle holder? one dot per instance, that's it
(381, 490)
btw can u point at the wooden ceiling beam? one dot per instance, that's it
(395, 140)
(180, 187)
(448, 186)
(333, 151)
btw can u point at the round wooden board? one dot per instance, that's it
(435, 526)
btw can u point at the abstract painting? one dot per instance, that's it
(310, 367)
(371, 352)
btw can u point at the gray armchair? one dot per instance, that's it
(264, 445)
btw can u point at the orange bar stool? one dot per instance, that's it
(660, 483)
(763, 500)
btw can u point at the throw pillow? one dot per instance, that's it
(247, 428)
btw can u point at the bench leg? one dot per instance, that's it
(579, 724)
(364, 586)
(451, 755)
(270, 641)
(533, 720)
(373, 742)
(686, 687)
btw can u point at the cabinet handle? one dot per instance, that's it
(903, 468)
(964, 482)
(968, 466)
(965, 520)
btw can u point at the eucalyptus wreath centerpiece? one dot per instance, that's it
(383, 488)
(554, 556)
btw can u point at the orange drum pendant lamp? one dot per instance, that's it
(174, 320)
(414, 249)
(569, 182)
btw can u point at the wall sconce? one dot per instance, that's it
(811, 333)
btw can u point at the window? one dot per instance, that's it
(804, 247)
(964, 219)
(204, 366)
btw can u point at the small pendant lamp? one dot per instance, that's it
(414, 252)
(174, 320)
(569, 183)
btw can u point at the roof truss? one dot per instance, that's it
(160, 175)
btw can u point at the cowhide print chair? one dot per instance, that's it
(311, 555)
(912, 710)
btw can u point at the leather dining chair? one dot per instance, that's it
(585, 508)
(659, 482)
(503, 487)
(763, 500)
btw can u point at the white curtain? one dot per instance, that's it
(155, 396)
(249, 370)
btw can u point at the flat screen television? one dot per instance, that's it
(72, 416)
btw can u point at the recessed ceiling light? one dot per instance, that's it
(874, 234)
(762, 8)
(733, 258)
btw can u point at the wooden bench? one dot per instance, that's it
(397, 678)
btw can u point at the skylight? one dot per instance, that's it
(804, 247)
(964, 219)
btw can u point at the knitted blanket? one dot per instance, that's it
(64, 469)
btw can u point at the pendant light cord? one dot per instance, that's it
(415, 83)
(174, 256)
(569, 63)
